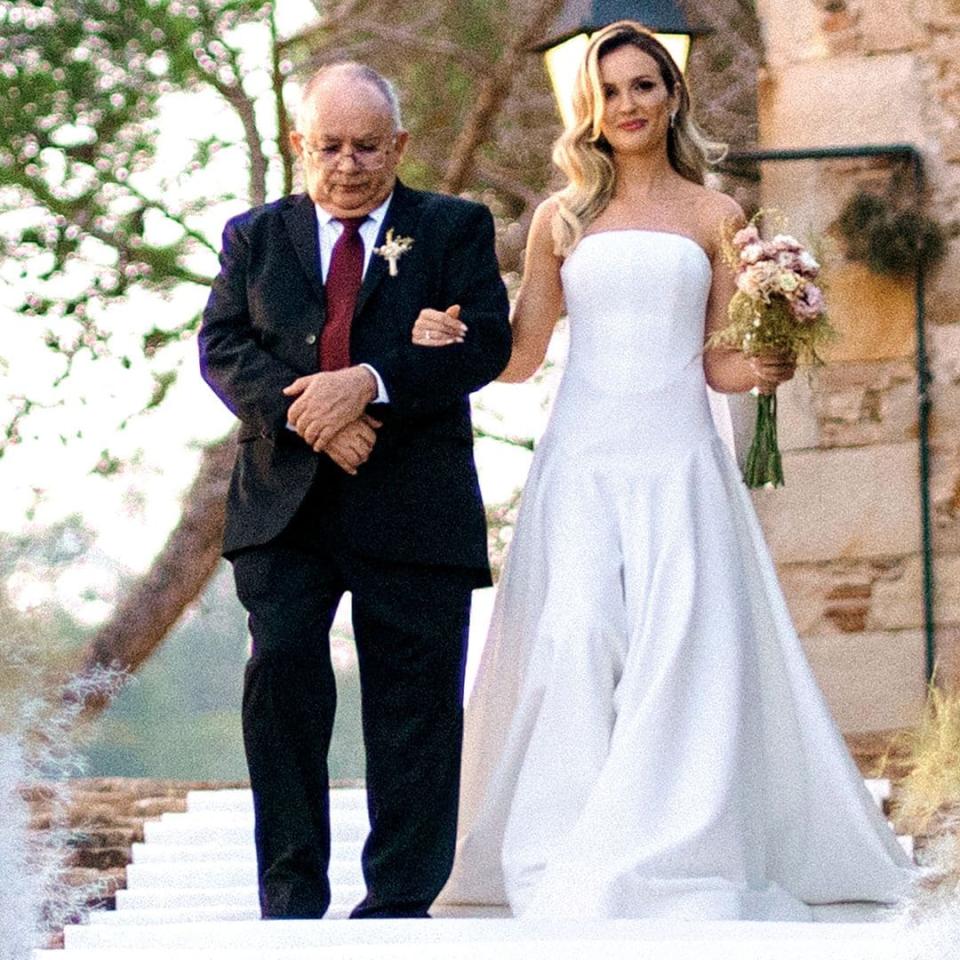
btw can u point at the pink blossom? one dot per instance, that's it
(759, 280)
(752, 253)
(809, 266)
(808, 303)
(748, 235)
(783, 241)
(789, 260)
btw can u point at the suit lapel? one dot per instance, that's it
(402, 217)
(300, 219)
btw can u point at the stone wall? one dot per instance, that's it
(845, 531)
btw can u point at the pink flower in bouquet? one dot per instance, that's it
(808, 265)
(789, 260)
(759, 280)
(783, 242)
(808, 304)
(748, 235)
(778, 307)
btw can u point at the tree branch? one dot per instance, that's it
(67, 209)
(493, 92)
(150, 204)
(507, 182)
(315, 32)
(283, 120)
(246, 111)
(414, 40)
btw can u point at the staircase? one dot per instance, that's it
(191, 895)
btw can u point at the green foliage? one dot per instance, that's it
(82, 84)
(889, 239)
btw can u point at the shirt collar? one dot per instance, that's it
(376, 215)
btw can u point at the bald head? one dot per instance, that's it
(349, 137)
(352, 81)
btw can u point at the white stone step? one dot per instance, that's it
(252, 935)
(241, 800)
(662, 945)
(165, 852)
(223, 873)
(201, 911)
(233, 828)
(178, 898)
(163, 903)
(168, 852)
(186, 913)
(771, 948)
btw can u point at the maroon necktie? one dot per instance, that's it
(342, 287)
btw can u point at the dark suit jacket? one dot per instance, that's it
(417, 499)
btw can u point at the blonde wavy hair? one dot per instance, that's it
(582, 152)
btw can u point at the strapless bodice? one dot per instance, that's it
(636, 302)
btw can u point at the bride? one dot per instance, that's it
(645, 737)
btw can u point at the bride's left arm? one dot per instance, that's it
(727, 369)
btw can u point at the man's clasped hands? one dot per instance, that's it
(329, 410)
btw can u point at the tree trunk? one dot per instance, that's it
(177, 577)
(491, 96)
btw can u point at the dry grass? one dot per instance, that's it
(929, 795)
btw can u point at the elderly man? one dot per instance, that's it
(355, 473)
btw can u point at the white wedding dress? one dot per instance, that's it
(645, 737)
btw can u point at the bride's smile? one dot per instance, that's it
(636, 103)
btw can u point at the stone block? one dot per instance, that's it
(155, 806)
(944, 358)
(790, 32)
(872, 681)
(798, 425)
(943, 349)
(948, 655)
(874, 315)
(866, 403)
(843, 503)
(887, 25)
(843, 101)
(945, 496)
(99, 858)
(897, 602)
(838, 596)
(943, 288)
(805, 587)
(950, 146)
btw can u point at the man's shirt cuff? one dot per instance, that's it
(382, 395)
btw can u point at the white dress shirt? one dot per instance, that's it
(329, 230)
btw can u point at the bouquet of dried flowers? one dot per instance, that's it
(777, 308)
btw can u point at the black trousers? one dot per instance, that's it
(410, 625)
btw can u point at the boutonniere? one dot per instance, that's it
(393, 249)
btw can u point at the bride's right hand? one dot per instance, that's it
(439, 328)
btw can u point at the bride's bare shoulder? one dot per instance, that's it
(720, 209)
(716, 213)
(542, 224)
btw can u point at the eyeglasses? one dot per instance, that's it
(366, 156)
